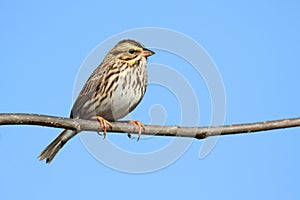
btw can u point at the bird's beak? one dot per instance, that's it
(147, 52)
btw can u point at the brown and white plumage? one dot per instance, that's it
(112, 91)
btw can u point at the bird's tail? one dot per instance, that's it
(52, 149)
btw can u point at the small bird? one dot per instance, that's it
(112, 91)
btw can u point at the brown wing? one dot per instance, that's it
(88, 91)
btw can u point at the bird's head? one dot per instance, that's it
(130, 51)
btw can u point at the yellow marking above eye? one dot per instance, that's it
(134, 50)
(130, 54)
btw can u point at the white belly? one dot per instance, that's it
(128, 93)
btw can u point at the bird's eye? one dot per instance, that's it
(131, 51)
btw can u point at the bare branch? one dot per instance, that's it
(125, 127)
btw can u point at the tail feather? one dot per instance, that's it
(53, 148)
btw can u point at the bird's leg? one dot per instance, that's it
(140, 125)
(103, 124)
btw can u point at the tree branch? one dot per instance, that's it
(125, 127)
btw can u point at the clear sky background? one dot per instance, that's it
(255, 45)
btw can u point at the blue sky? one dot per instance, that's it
(255, 46)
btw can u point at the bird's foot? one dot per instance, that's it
(140, 125)
(103, 125)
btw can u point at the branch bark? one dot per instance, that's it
(125, 127)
